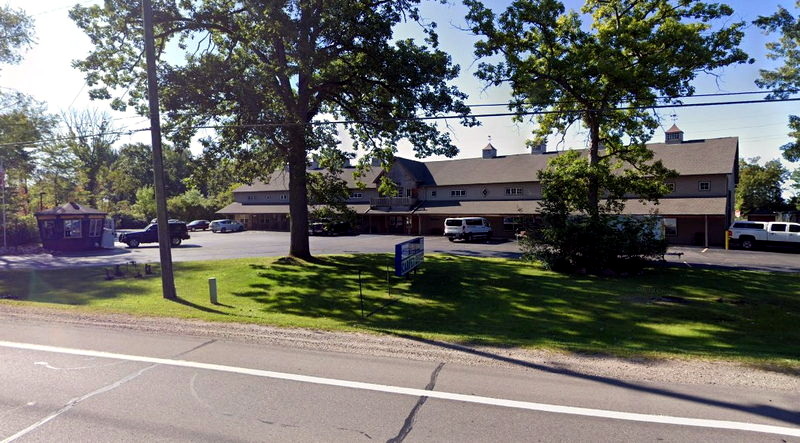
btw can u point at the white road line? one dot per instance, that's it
(543, 407)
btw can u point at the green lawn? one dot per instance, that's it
(668, 311)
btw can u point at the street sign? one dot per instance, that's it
(408, 255)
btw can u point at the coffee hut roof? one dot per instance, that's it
(71, 208)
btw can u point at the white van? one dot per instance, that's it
(467, 228)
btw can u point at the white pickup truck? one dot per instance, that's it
(749, 234)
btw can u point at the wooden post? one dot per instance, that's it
(705, 219)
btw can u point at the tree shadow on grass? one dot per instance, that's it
(698, 312)
(763, 410)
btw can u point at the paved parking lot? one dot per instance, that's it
(209, 246)
(206, 245)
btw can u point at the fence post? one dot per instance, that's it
(212, 289)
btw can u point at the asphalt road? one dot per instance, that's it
(205, 245)
(160, 387)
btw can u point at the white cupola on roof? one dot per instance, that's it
(489, 151)
(674, 135)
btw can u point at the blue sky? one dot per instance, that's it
(46, 74)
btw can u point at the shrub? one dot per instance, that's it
(21, 230)
(609, 245)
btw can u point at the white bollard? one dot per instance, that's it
(212, 289)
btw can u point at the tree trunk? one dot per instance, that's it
(594, 159)
(298, 197)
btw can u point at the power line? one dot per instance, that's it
(431, 118)
(665, 97)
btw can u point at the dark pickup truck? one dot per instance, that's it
(178, 233)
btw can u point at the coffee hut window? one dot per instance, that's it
(72, 229)
(48, 229)
(95, 227)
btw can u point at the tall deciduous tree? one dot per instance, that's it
(91, 138)
(268, 72)
(760, 186)
(16, 34)
(606, 74)
(785, 80)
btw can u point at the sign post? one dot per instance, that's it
(408, 255)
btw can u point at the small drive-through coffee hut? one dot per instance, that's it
(71, 227)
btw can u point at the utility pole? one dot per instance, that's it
(3, 188)
(167, 277)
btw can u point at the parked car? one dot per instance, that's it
(328, 227)
(467, 228)
(748, 235)
(177, 233)
(226, 225)
(172, 220)
(198, 225)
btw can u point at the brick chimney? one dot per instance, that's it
(674, 135)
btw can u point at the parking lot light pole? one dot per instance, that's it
(167, 277)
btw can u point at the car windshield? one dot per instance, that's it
(151, 227)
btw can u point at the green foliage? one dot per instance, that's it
(760, 187)
(191, 205)
(16, 33)
(606, 74)
(90, 139)
(568, 239)
(267, 70)
(145, 206)
(786, 78)
(22, 230)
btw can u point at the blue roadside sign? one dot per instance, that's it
(408, 255)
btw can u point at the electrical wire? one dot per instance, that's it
(430, 118)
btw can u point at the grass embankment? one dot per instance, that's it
(669, 311)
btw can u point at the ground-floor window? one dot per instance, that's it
(72, 229)
(95, 227)
(512, 224)
(670, 226)
(48, 229)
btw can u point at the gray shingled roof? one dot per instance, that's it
(239, 208)
(279, 180)
(71, 208)
(693, 157)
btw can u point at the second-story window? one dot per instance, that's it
(513, 191)
(356, 195)
(704, 186)
(670, 186)
(458, 193)
(284, 197)
(251, 197)
(433, 193)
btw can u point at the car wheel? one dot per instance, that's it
(133, 243)
(468, 238)
(748, 243)
(452, 239)
(175, 241)
(223, 230)
(241, 228)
